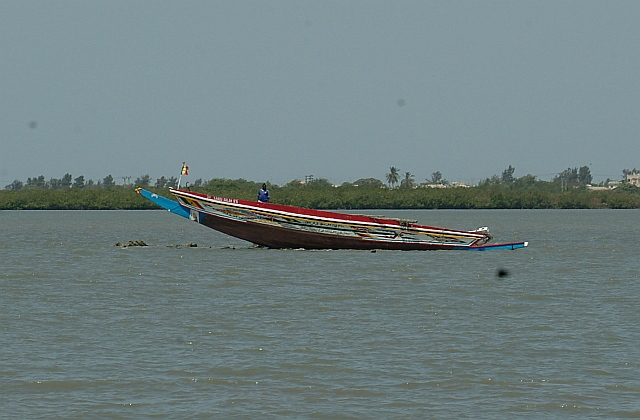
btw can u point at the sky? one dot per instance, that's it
(279, 90)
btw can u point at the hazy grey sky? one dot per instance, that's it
(276, 90)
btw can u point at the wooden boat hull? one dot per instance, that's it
(278, 226)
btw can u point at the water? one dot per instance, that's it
(225, 330)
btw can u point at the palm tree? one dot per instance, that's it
(407, 182)
(392, 176)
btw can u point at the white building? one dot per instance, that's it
(633, 179)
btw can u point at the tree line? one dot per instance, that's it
(523, 193)
(569, 178)
(567, 190)
(67, 181)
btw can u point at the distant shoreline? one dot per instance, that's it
(491, 197)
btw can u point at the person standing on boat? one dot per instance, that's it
(263, 194)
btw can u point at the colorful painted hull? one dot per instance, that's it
(279, 226)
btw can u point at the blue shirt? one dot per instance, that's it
(263, 195)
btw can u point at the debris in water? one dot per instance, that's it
(131, 243)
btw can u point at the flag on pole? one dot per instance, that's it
(185, 169)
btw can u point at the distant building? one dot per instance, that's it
(598, 188)
(460, 184)
(633, 179)
(454, 184)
